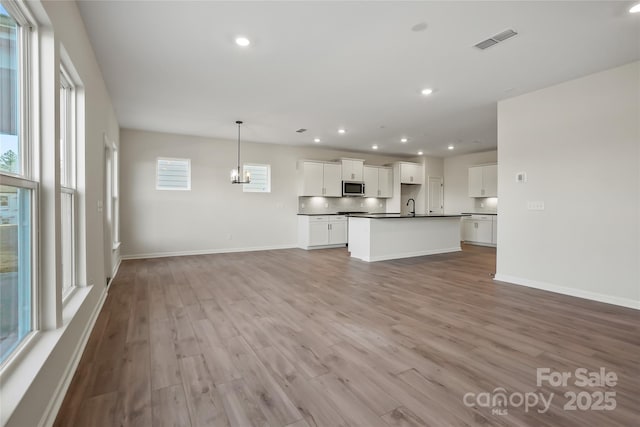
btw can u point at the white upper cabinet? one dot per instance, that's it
(332, 181)
(483, 181)
(321, 179)
(378, 182)
(352, 170)
(410, 173)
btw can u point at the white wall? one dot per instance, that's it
(456, 180)
(579, 144)
(33, 388)
(215, 216)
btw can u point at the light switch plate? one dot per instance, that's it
(521, 177)
(535, 206)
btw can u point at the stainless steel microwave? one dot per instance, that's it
(352, 188)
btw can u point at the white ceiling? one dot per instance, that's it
(174, 67)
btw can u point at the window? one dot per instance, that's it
(115, 200)
(18, 190)
(260, 179)
(173, 174)
(67, 183)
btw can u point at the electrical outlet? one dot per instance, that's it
(535, 206)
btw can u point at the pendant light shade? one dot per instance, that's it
(235, 173)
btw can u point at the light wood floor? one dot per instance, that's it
(313, 338)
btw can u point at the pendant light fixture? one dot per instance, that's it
(235, 173)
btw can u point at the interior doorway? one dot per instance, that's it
(435, 204)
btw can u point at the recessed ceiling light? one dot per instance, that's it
(403, 140)
(635, 8)
(450, 147)
(374, 146)
(242, 41)
(427, 91)
(316, 140)
(420, 153)
(341, 131)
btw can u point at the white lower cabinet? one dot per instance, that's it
(321, 231)
(478, 229)
(338, 230)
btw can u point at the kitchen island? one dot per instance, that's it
(378, 237)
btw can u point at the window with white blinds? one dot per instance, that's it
(260, 179)
(173, 174)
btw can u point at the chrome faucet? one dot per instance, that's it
(412, 212)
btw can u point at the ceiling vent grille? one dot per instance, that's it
(494, 40)
(301, 130)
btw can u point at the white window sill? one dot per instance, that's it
(22, 368)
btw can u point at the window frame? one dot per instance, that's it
(173, 159)
(29, 160)
(68, 176)
(246, 189)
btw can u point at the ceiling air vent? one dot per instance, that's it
(301, 130)
(491, 41)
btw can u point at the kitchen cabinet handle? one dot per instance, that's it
(411, 178)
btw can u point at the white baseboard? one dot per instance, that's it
(115, 270)
(594, 296)
(60, 392)
(207, 251)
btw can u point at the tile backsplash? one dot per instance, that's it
(486, 204)
(331, 205)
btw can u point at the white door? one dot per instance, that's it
(337, 232)
(385, 182)
(370, 181)
(484, 232)
(332, 180)
(318, 233)
(490, 180)
(468, 230)
(436, 188)
(475, 181)
(313, 179)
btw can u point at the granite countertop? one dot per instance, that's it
(397, 215)
(480, 213)
(333, 213)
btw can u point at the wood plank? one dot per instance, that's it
(266, 392)
(169, 407)
(202, 397)
(164, 361)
